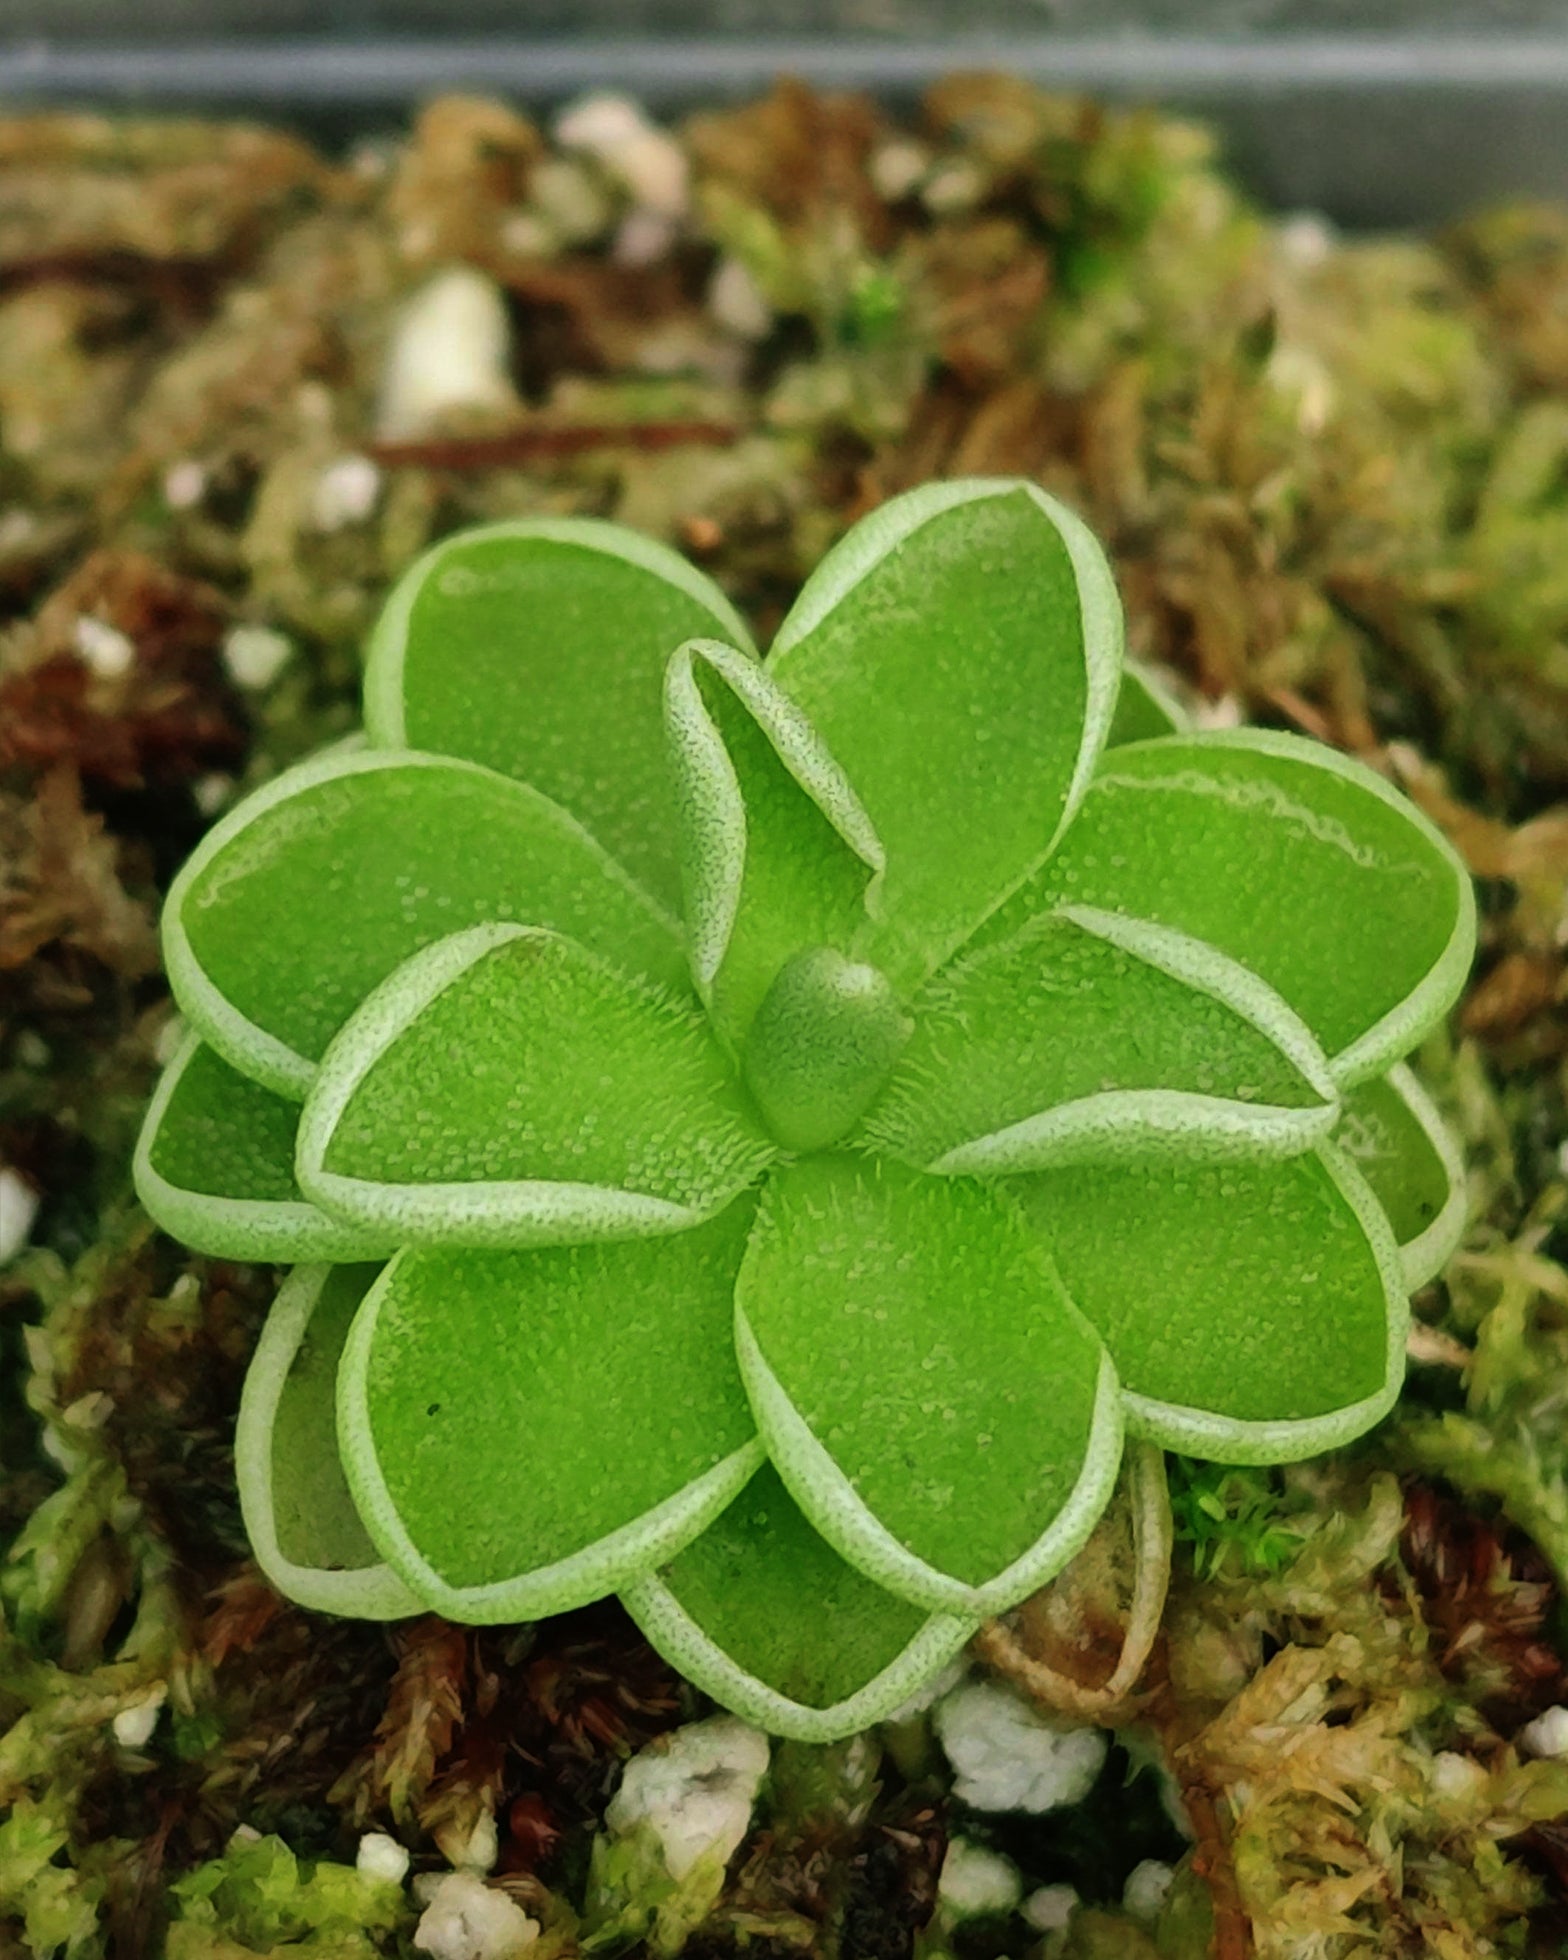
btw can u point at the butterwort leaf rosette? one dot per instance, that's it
(754, 1135)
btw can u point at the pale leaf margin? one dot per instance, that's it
(503, 1215)
(836, 1509)
(683, 1643)
(577, 1580)
(878, 535)
(713, 806)
(270, 1231)
(372, 1593)
(1425, 1256)
(1227, 1439)
(385, 719)
(1120, 1123)
(239, 1040)
(1387, 1040)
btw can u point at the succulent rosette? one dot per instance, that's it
(757, 1134)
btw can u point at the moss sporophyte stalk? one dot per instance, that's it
(756, 1134)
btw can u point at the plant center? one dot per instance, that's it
(822, 1045)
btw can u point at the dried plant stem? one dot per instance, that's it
(997, 1644)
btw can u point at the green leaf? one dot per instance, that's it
(1296, 861)
(1255, 1312)
(766, 1617)
(525, 1431)
(1087, 1035)
(1403, 1149)
(776, 852)
(315, 888)
(507, 1088)
(1144, 708)
(931, 1398)
(538, 647)
(214, 1166)
(958, 652)
(301, 1520)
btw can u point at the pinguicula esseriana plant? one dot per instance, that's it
(757, 1132)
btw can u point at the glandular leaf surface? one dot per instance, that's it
(958, 653)
(538, 647)
(1085, 1035)
(763, 1613)
(215, 1166)
(1296, 861)
(299, 1515)
(1399, 1143)
(314, 889)
(505, 1087)
(1255, 1312)
(526, 1431)
(776, 851)
(931, 1398)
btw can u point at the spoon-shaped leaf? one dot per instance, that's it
(766, 1617)
(525, 1431)
(303, 1527)
(312, 890)
(538, 647)
(1086, 1035)
(506, 1088)
(214, 1166)
(776, 852)
(1144, 708)
(1294, 860)
(959, 654)
(932, 1400)
(1402, 1148)
(1256, 1312)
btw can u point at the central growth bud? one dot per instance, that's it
(823, 1043)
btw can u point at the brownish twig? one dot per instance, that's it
(539, 441)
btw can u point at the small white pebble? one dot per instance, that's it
(1547, 1735)
(975, 1880)
(527, 234)
(1006, 1755)
(244, 1834)
(897, 168)
(642, 238)
(646, 160)
(953, 188)
(1144, 1894)
(380, 1856)
(467, 1920)
(735, 300)
(1453, 1777)
(1223, 713)
(104, 648)
(210, 793)
(184, 484)
(1051, 1908)
(16, 528)
(933, 1691)
(346, 492)
(695, 1789)
(256, 655)
(133, 1726)
(451, 350)
(18, 1209)
(1305, 240)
